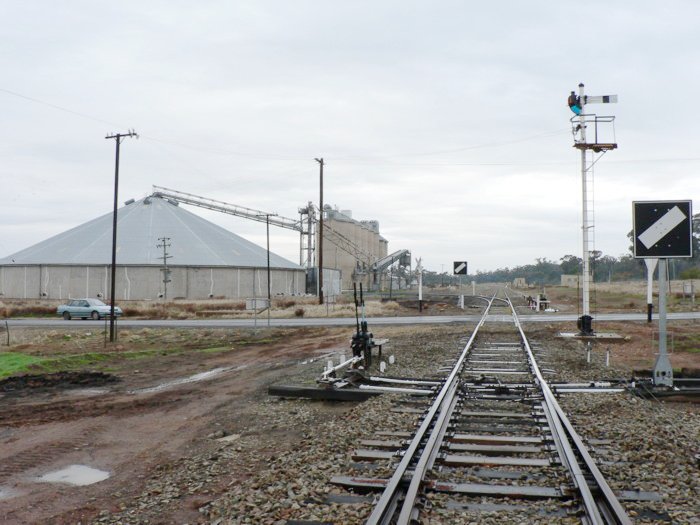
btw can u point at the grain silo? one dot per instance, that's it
(204, 260)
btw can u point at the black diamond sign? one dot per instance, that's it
(663, 229)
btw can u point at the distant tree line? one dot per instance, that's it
(604, 268)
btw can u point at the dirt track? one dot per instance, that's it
(128, 428)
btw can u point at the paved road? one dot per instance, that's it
(334, 321)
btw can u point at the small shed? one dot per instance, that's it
(519, 282)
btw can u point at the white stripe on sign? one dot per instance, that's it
(662, 227)
(461, 267)
(601, 99)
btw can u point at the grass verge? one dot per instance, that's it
(12, 363)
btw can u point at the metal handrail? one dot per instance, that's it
(592, 118)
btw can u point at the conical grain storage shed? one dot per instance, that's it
(206, 261)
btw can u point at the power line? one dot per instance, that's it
(356, 159)
(227, 151)
(61, 108)
(466, 148)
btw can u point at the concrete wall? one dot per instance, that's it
(145, 282)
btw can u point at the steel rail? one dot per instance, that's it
(388, 501)
(427, 458)
(565, 432)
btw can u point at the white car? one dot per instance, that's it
(84, 308)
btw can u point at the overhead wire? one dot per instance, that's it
(467, 148)
(344, 159)
(61, 108)
(355, 159)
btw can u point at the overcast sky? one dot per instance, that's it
(446, 121)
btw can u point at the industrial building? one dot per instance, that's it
(353, 251)
(196, 260)
(351, 246)
(166, 252)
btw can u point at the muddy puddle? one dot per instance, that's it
(202, 376)
(79, 475)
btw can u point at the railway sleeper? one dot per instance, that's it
(471, 428)
(532, 475)
(486, 439)
(494, 449)
(501, 421)
(502, 507)
(493, 413)
(375, 455)
(380, 443)
(367, 484)
(488, 489)
(461, 459)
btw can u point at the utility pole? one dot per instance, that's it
(118, 137)
(269, 292)
(269, 289)
(320, 235)
(166, 273)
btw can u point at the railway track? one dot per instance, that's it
(491, 438)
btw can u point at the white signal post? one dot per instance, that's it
(586, 307)
(587, 222)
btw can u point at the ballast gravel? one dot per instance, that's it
(276, 465)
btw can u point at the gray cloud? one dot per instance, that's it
(445, 121)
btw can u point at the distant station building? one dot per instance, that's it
(570, 280)
(205, 260)
(519, 282)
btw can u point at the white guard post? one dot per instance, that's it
(651, 266)
(419, 269)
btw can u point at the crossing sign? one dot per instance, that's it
(663, 229)
(460, 267)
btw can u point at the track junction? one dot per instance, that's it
(491, 437)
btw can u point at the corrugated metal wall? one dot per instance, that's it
(145, 282)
